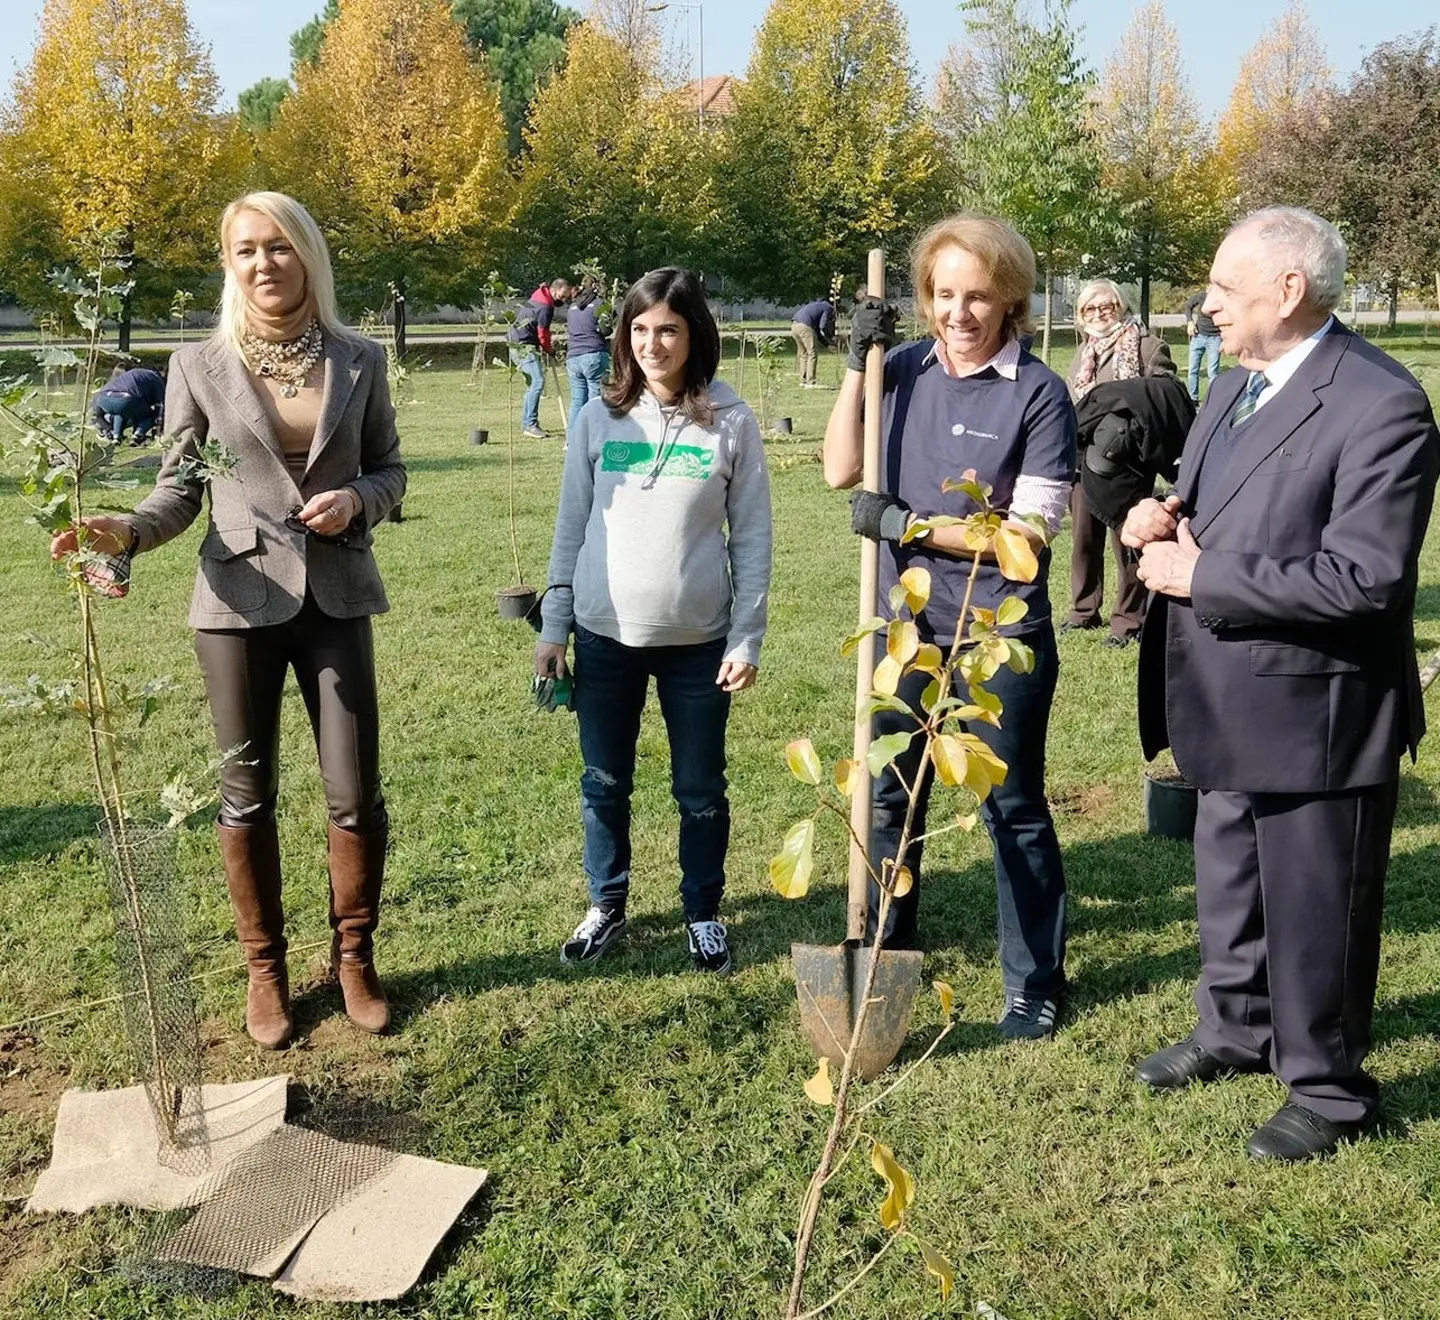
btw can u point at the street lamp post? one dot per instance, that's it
(700, 83)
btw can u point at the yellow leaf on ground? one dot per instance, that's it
(900, 1186)
(819, 1087)
(946, 996)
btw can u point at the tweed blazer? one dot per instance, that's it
(254, 570)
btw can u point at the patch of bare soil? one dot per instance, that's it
(30, 1090)
(29, 1086)
(1083, 800)
(27, 1247)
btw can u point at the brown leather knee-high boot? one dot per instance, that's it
(251, 854)
(357, 867)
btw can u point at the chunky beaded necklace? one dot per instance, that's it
(290, 362)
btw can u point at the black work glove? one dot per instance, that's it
(872, 322)
(878, 516)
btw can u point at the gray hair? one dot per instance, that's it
(1091, 287)
(1302, 241)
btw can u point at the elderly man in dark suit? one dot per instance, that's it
(1279, 664)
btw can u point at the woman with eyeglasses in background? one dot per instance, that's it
(287, 579)
(1115, 346)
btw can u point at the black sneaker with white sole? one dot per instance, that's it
(1029, 1017)
(597, 931)
(709, 947)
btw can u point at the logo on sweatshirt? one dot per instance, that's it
(687, 462)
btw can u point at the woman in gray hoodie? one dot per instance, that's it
(645, 577)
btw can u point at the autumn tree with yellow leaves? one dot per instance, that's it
(112, 142)
(616, 168)
(829, 152)
(1283, 81)
(394, 140)
(1156, 161)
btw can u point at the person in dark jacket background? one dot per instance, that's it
(812, 324)
(1116, 347)
(133, 398)
(529, 339)
(587, 347)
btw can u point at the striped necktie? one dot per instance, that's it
(1250, 399)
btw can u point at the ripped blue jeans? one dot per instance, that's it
(611, 682)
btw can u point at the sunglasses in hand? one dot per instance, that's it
(293, 522)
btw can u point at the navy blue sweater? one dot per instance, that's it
(819, 316)
(936, 426)
(138, 383)
(582, 332)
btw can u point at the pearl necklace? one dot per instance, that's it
(289, 363)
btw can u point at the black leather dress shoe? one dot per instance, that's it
(1180, 1064)
(1297, 1133)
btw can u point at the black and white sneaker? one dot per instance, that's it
(1029, 1017)
(709, 947)
(592, 939)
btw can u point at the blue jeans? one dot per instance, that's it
(587, 374)
(1029, 876)
(611, 680)
(1209, 346)
(527, 358)
(117, 412)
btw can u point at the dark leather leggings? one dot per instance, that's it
(334, 663)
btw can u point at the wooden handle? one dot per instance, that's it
(857, 900)
(1432, 665)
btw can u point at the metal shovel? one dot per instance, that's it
(830, 979)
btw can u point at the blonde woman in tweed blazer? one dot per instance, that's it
(287, 579)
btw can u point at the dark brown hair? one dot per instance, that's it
(683, 293)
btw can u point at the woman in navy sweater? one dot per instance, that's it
(587, 349)
(968, 396)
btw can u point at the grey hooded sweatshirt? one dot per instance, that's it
(639, 555)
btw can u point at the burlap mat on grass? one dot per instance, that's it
(325, 1220)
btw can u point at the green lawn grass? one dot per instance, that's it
(644, 1125)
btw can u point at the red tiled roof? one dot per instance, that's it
(716, 94)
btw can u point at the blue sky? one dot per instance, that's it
(250, 38)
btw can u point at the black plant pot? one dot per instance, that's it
(479, 436)
(784, 426)
(395, 515)
(515, 602)
(1170, 803)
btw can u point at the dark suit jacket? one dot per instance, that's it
(1292, 668)
(254, 570)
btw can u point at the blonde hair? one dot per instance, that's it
(1089, 289)
(303, 234)
(1006, 258)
